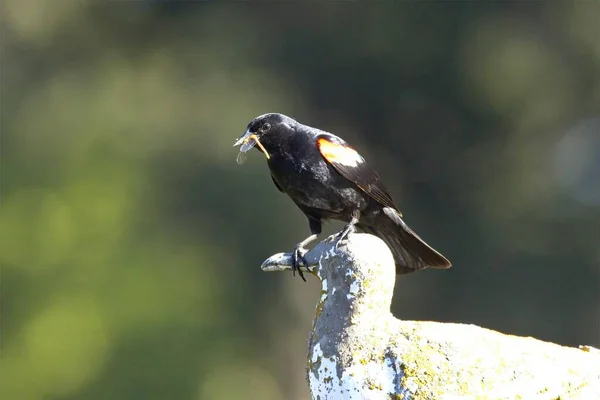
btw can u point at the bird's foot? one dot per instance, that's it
(343, 235)
(298, 260)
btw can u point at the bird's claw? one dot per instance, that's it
(298, 260)
(343, 235)
(337, 242)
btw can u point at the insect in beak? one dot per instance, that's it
(247, 141)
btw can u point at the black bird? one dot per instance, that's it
(328, 179)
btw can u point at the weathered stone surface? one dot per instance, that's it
(358, 350)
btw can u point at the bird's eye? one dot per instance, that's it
(265, 127)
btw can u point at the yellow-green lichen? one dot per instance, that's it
(430, 380)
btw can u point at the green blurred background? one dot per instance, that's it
(130, 240)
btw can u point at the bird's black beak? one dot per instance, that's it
(245, 141)
(248, 140)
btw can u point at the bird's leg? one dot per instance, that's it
(349, 228)
(300, 250)
(298, 256)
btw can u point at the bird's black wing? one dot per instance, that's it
(353, 167)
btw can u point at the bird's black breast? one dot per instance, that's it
(314, 185)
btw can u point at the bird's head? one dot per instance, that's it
(262, 131)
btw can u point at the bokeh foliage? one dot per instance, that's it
(130, 240)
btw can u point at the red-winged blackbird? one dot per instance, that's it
(328, 179)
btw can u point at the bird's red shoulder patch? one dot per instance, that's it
(338, 153)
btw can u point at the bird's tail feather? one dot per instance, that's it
(410, 252)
